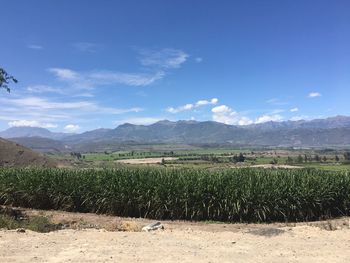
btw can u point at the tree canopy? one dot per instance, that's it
(6, 79)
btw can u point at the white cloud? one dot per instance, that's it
(294, 109)
(221, 109)
(86, 46)
(276, 111)
(276, 101)
(82, 94)
(72, 127)
(37, 47)
(130, 79)
(172, 110)
(314, 94)
(41, 103)
(180, 108)
(202, 103)
(44, 89)
(245, 121)
(301, 117)
(38, 103)
(267, 118)
(47, 111)
(191, 106)
(158, 62)
(107, 110)
(64, 74)
(226, 115)
(31, 123)
(90, 80)
(198, 59)
(166, 58)
(213, 101)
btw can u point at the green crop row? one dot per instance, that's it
(234, 195)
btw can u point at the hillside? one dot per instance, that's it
(40, 144)
(334, 131)
(15, 155)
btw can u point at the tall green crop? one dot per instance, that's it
(235, 195)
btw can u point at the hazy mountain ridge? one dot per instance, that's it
(25, 131)
(318, 132)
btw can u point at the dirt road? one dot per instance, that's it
(180, 242)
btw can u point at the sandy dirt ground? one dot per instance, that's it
(146, 160)
(179, 242)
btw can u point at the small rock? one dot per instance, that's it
(153, 226)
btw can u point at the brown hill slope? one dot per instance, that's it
(15, 155)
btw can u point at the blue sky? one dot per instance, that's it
(82, 65)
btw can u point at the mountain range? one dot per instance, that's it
(333, 131)
(26, 131)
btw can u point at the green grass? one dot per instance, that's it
(328, 166)
(235, 195)
(214, 151)
(119, 155)
(37, 223)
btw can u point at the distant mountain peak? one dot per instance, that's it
(26, 131)
(328, 131)
(164, 122)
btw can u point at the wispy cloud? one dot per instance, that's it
(198, 59)
(65, 74)
(86, 46)
(66, 91)
(130, 79)
(89, 80)
(191, 106)
(44, 89)
(276, 111)
(298, 118)
(294, 109)
(31, 123)
(314, 94)
(69, 101)
(37, 103)
(41, 111)
(157, 62)
(36, 47)
(277, 102)
(166, 58)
